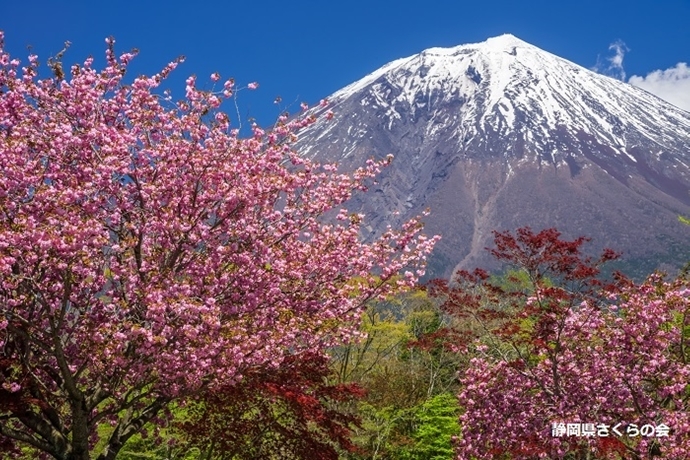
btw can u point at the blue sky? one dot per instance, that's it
(306, 50)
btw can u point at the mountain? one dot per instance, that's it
(501, 134)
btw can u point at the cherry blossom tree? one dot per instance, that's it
(571, 367)
(148, 252)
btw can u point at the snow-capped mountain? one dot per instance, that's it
(501, 134)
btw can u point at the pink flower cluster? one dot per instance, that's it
(146, 252)
(601, 364)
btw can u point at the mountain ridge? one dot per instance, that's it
(474, 125)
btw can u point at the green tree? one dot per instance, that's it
(402, 363)
(436, 425)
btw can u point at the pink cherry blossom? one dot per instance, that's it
(601, 367)
(147, 251)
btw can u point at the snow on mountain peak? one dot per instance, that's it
(502, 42)
(500, 134)
(509, 87)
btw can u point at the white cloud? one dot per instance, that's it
(616, 61)
(672, 84)
(614, 68)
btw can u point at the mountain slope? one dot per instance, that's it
(501, 134)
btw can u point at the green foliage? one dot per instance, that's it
(513, 280)
(421, 432)
(384, 431)
(409, 372)
(436, 425)
(156, 443)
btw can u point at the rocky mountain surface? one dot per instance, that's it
(501, 134)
